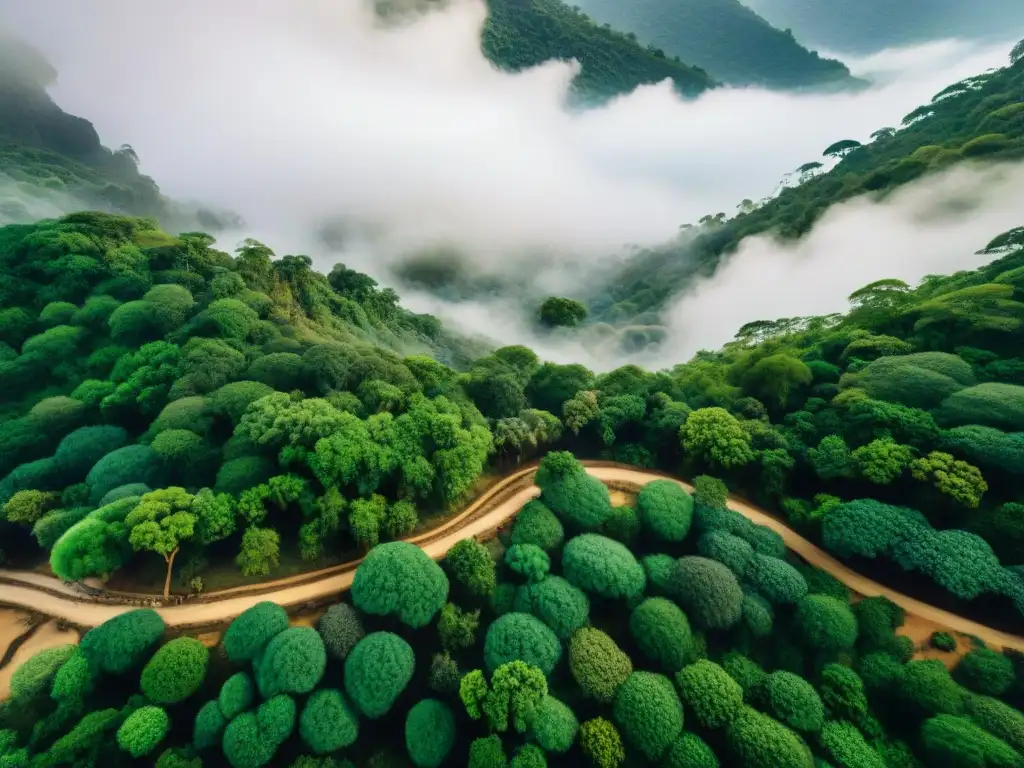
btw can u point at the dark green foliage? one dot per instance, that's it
(36, 676)
(399, 579)
(690, 751)
(529, 561)
(658, 569)
(666, 510)
(175, 672)
(74, 680)
(746, 672)
(775, 580)
(377, 671)
(520, 636)
(131, 464)
(732, 551)
(554, 726)
(558, 311)
(238, 475)
(951, 741)
(429, 733)
(598, 665)
(249, 633)
(503, 598)
(793, 701)
(984, 671)
(999, 719)
(928, 685)
(757, 741)
(622, 524)
(714, 697)
(328, 723)
(601, 566)
(536, 524)
(457, 628)
(708, 592)
(245, 746)
(529, 756)
(992, 404)
(80, 450)
(209, 726)
(842, 693)
(293, 661)
(557, 603)
(143, 730)
(758, 616)
(236, 695)
(340, 628)
(444, 674)
(124, 642)
(942, 641)
(846, 746)
(581, 501)
(649, 713)
(487, 752)
(662, 632)
(825, 623)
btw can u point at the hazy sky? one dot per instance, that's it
(293, 113)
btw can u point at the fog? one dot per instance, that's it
(298, 114)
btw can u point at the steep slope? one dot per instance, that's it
(725, 38)
(523, 34)
(866, 26)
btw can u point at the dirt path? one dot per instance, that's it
(506, 498)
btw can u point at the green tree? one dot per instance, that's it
(716, 436)
(429, 733)
(793, 701)
(143, 730)
(601, 743)
(665, 509)
(377, 671)
(758, 741)
(713, 696)
(529, 561)
(662, 632)
(707, 591)
(293, 661)
(399, 579)
(536, 524)
(558, 311)
(554, 726)
(954, 478)
(161, 522)
(604, 567)
(249, 633)
(457, 628)
(774, 378)
(520, 636)
(328, 722)
(123, 642)
(175, 672)
(649, 713)
(260, 551)
(985, 671)
(472, 566)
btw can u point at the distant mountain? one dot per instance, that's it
(866, 26)
(724, 37)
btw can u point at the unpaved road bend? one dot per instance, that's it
(62, 602)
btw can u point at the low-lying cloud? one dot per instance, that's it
(297, 114)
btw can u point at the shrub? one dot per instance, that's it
(536, 524)
(775, 580)
(328, 723)
(648, 711)
(143, 730)
(36, 676)
(472, 566)
(557, 603)
(429, 733)
(710, 692)
(601, 743)
(340, 628)
(503, 599)
(597, 664)
(602, 566)
(951, 742)
(666, 510)
(942, 641)
(529, 561)
(123, 642)
(377, 671)
(124, 492)
(399, 579)
(757, 741)
(622, 524)
(984, 671)
(523, 637)
(999, 719)
(244, 745)
(732, 551)
(746, 672)
(658, 569)
(580, 500)
(793, 701)
(826, 624)
(842, 693)
(846, 746)
(927, 684)
(708, 592)
(209, 726)
(487, 752)
(992, 404)
(529, 756)
(176, 671)
(869, 528)
(231, 400)
(236, 695)
(900, 380)
(79, 451)
(662, 632)
(131, 464)
(251, 630)
(51, 526)
(73, 680)
(292, 662)
(554, 726)
(690, 751)
(758, 616)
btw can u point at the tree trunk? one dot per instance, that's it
(167, 581)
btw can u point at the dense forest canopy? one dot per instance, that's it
(726, 38)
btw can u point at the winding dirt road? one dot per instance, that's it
(50, 596)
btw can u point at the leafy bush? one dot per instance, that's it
(328, 723)
(732, 551)
(690, 751)
(846, 746)
(209, 726)
(953, 741)
(487, 752)
(928, 685)
(842, 693)
(528, 560)
(377, 671)
(35, 677)
(999, 719)
(122, 643)
(236, 695)
(557, 603)
(775, 580)
(758, 616)
(825, 623)
(341, 629)
(74, 679)
(536, 524)
(131, 464)
(598, 665)
(176, 671)
(554, 726)
(252, 629)
(662, 632)
(992, 404)
(523, 637)
(708, 690)
(942, 641)
(601, 743)
(666, 510)
(399, 579)
(603, 567)
(757, 741)
(293, 661)
(143, 730)
(708, 591)
(793, 701)
(648, 711)
(984, 671)
(529, 756)
(429, 733)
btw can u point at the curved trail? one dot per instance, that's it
(49, 596)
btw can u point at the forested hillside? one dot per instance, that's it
(724, 37)
(866, 26)
(977, 120)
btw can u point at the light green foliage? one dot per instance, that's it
(236, 695)
(554, 726)
(260, 551)
(529, 561)
(27, 507)
(708, 690)
(999, 719)
(690, 751)
(529, 756)
(278, 420)
(757, 741)
(825, 623)
(882, 461)
(143, 730)
(124, 642)
(556, 602)
(957, 479)
(793, 701)
(487, 752)
(293, 661)
(709, 492)
(251, 630)
(161, 522)
(598, 665)
(716, 436)
(536, 524)
(662, 632)
(328, 722)
(666, 510)
(842, 693)
(984, 671)
(845, 745)
(400, 579)
(515, 692)
(341, 629)
(708, 592)
(601, 743)
(377, 671)
(429, 733)
(648, 711)
(176, 671)
(732, 551)
(457, 628)
(73, 680)
(928, 685)
(520, 636)
(601, 566)
(951, 741)
(35, 677)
